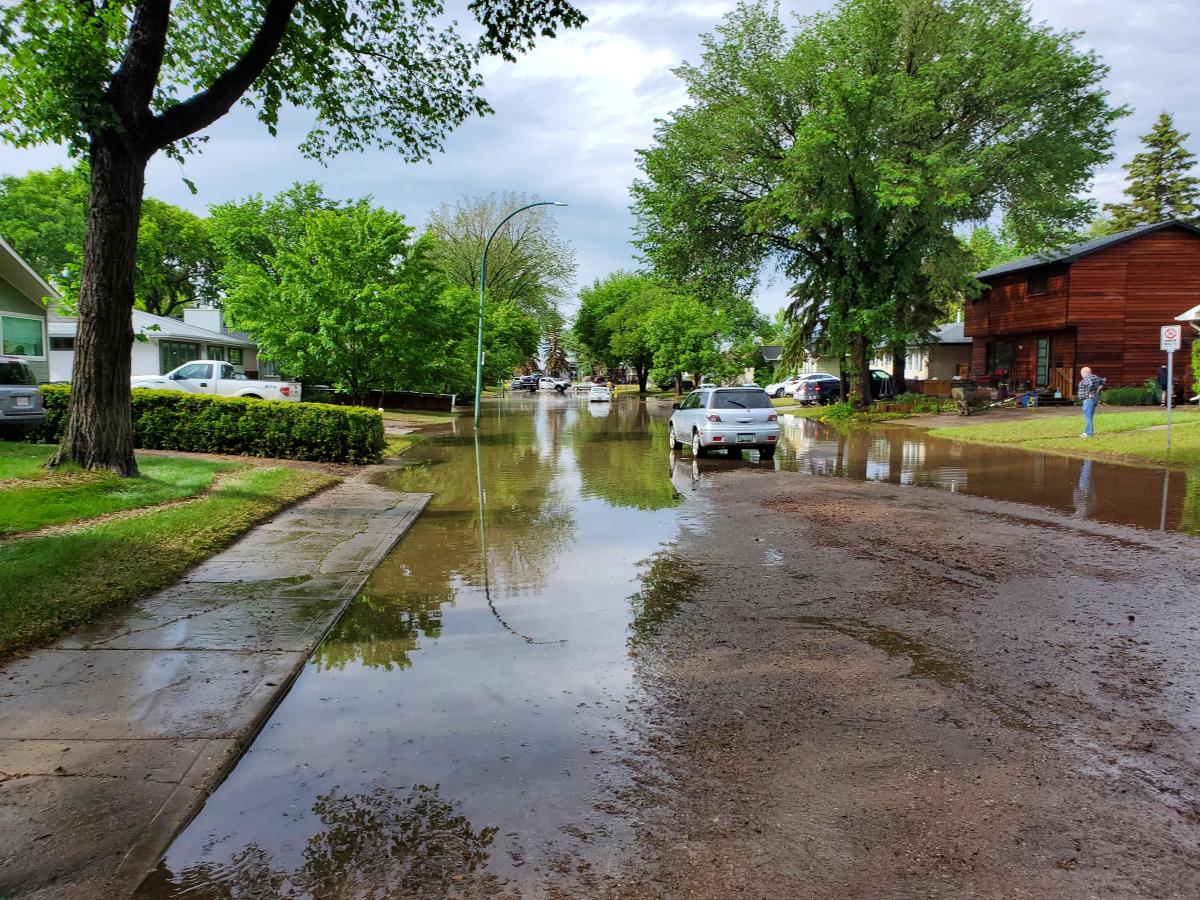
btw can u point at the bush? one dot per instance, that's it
(1128, 396)
(169, 420)
(924, 403)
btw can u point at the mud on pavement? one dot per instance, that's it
(861, 690)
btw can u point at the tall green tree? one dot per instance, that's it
(348, 300)
(611, 321)
(847, 150)
(121, 81)
(685, 335)
(528, 263)
(1160, 182)
(44, 216)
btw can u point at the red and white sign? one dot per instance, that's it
(1170, 338)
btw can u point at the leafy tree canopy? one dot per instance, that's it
(44, 216)
(528, 263)
(1161, 182)
(846, 151)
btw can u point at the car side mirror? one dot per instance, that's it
(175, 376)
(674, 406)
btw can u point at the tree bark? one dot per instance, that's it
(862, 385)
(643, 373)
(99, 430)
(899, 367)
(678, 384)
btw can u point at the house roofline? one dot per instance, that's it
(47, 289)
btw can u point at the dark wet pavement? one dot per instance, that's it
(464, 728)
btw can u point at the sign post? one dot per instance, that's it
(1170, 338)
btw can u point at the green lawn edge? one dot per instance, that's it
(51, 584)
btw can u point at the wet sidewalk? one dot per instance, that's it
(111, 738)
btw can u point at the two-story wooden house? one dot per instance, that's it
(1099, 303)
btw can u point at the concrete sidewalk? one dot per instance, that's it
(112, 738)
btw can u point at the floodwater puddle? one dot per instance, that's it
(459, 731)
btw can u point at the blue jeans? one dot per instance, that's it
(1089, 415)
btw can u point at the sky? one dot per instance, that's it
(570, 116)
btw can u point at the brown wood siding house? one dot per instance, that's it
(1099, 303)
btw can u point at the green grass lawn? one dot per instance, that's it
(56, 498)
(1122, 435)
(51, 583)
(416, 419)
(21, 460)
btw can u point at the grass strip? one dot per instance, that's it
(53, 583)
(1121, 436)
(21, 460)
(73, 497)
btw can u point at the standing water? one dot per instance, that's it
(462, 729)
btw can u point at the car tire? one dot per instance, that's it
(779, 393)
(676, 444)
(698, 451)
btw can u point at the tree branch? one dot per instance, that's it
(135, 79)
(204, 108)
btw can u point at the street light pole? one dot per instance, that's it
(483, 292)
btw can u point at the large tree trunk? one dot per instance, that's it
(862, 384)
(99, 431)
(678, 384)
(899, 366)
(643, 373)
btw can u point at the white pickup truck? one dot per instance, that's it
(212, 376)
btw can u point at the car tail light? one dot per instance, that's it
(285, 391)
(713, 417)
(772, 437)
(717, 439)
(772, 417)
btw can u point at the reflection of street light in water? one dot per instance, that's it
(487, 587)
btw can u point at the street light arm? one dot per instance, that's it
(483, 291)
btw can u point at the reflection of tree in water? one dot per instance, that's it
(380, 632)
(615, 462)
(1191, 504)
(377, 844)
(667, 581)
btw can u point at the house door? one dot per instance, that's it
(1043, 362)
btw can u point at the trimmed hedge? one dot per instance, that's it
(1128, 396)
(170, 420)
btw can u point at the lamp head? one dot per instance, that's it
(558, 203)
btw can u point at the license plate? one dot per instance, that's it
(23, 401)
(745, 439)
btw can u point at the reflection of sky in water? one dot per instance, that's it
(507, 685)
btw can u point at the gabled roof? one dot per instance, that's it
(21, 275)
(770, 352)
(950, 333)
(157, 328)
(1073, 252)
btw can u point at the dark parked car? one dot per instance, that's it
(825, 389)
(529, 383)
(21, 408)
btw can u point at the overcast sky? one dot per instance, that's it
(570, 116)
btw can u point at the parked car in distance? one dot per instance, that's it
(212, 376)
(818, 389)
(528, 383)
(21, 405)
(599, 393)
(729, 418)
(546, 383)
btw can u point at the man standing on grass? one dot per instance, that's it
(1089, 393)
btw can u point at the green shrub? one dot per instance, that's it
(170, 420)
(924, 403)
(840, 412)
(1128, 396)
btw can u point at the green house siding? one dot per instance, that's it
(13, 301)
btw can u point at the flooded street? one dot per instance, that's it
(534, 695)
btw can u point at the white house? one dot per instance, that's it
(944, 356)
(168, 344)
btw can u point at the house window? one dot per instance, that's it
(1043, 362)
(174, 354)
(266, 368)
(216, 352)
(1039, 283)
(1001, 357)
(914, 362)
(22, 336)
(235, 355)
(62, 343)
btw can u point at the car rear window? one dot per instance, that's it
(756, 399)
(13, 372)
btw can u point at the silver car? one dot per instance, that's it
(726, 418)
(21, 408)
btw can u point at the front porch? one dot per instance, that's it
(1029, 361)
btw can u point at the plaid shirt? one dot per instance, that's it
(1089, 387)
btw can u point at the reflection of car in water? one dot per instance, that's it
(732, 419)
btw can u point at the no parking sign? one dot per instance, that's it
(1170, 338)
